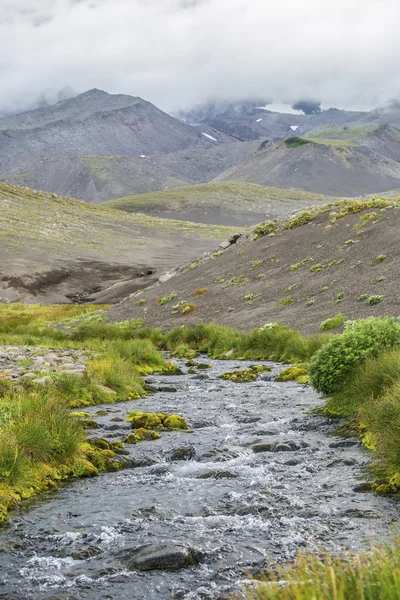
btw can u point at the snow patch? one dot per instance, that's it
(294, 127)
(142, 155)
(258, 120)
(210, 137)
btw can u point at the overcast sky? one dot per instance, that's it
(178, 53)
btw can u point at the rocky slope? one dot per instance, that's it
(317, 265)
(326, 167)
(94, 124)
(229, 203)
(100, 178)
(54, 249)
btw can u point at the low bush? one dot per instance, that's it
(333, 322)
(368, 382)
(332, 365)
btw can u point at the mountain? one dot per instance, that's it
(55, 249)
(327, 167)
(94, 124)
(249, 121)
(99, 178)
(339, 259)
(229, 203)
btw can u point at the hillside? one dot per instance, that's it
(100, 178)
(94, 124)
(337, 169)
(93, 178)
(341, 259)
(54, 249)
(229, 203)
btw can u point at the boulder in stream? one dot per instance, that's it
(162, 557)
(182, 453)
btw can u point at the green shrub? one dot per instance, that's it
(380, 258)
(333, 322)
(381, 417)
(285, 301)
(166, 299)
(263, 229)
(295, 142)
(332, 365)
(373, 300)
(368, 382)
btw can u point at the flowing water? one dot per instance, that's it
(262, 477)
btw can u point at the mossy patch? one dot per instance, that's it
(295, 373)
(141, 435)
(245, 375)
(158, 421)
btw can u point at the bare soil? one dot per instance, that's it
(346, 252)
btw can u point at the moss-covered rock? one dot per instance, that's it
(80, 414)
(100, 443)
(246, 375)
(171, 369)
(175, 422)
(141, 435)
(295, 373)
(144, 420)
(116, 446)
(90, 424)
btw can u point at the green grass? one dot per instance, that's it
(334, 143)
(230, 195)
(40, 444)
(372, 575)
(271, 342)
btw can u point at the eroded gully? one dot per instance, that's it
(258, 477)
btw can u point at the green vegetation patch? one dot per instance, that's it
(333, 322)
(295, 142)
(298, 373)
(245, 375)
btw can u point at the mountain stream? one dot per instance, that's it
(258, 477)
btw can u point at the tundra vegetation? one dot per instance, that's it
(44, 443)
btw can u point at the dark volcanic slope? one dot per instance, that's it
(99, 178)
(384, 140)
(337, 170)
(52, 249)
(299, 277)
(94, 178)
(95, 123)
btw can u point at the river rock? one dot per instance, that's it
(165, 388)
(162, 557)
(286, 446)
(224, 245)
(218, 475)
(344, 444)
(183, 453)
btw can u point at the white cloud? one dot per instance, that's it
(177, 53)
